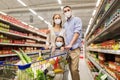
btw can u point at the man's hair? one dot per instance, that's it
(66, 7)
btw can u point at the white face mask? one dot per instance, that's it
(57, 21)
(59, 44)
(68, 14)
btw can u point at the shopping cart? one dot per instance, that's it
(37, 70)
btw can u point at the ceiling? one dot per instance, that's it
(46, 9)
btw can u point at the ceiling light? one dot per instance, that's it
(61, 7)
(21, 2)
(94, 12)
(2, 13)
(87, 29)
(98, 2)
(33, 11)
(59, 2)
(90, 20)
(46, 22)
(41, 18)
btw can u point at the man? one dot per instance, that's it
(73, 33)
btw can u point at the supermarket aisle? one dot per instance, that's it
(84, 74)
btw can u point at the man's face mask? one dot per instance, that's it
(59, 44)
(68, 14)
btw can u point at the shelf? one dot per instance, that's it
(17, 35)
(117, 52)
(106, 31)
(33, 45)
(17, 26)
(8, 55)
(103, 17)
(96, 16)
(100, 68)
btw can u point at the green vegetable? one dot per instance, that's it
(26, 57)
(40, 75)
(24, 61)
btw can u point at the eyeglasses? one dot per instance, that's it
(67, 10)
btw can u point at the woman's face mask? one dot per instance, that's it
(57, 21)
(59, 44)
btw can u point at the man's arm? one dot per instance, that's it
(75, 37)
(77, 33)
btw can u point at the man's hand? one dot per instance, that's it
(68, 47)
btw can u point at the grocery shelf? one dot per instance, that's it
(96, 16)
(106, 31)
(25, 29)
(109, 77)
(117, 52)
(104, 16)
(33, 45)
(8, 55)
(17, 35)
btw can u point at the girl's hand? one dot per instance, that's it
(62, 48)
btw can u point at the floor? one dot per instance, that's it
(84, 71)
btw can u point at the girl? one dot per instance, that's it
(60, 43)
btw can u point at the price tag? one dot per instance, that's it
(103, 77)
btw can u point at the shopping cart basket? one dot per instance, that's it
(31, 71)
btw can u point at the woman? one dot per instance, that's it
(56, 30)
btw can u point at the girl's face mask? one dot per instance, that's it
(59, 44)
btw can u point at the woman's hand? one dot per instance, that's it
(47, 47)
(53, 49)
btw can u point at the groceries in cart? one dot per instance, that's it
(28, 69)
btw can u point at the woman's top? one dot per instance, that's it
(54, 34)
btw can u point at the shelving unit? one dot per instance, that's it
(11, 30)
(104, 27)
(100, 68)
(103, 17)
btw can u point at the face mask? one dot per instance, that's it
(68, 14)
(59, 44)
(57, 21)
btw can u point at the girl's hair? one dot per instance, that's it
(54, 22)
(62, 39)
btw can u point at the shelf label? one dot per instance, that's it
(103, 77)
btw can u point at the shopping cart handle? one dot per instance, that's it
(71, 48)
(23, 67)
(1, 62)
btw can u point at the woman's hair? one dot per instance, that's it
(62, 40)
(54, 22)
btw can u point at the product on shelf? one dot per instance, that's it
(4, 25)
(17, 32)
(101, 58)
(112, 18)
(28, 41)
(111, 45)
